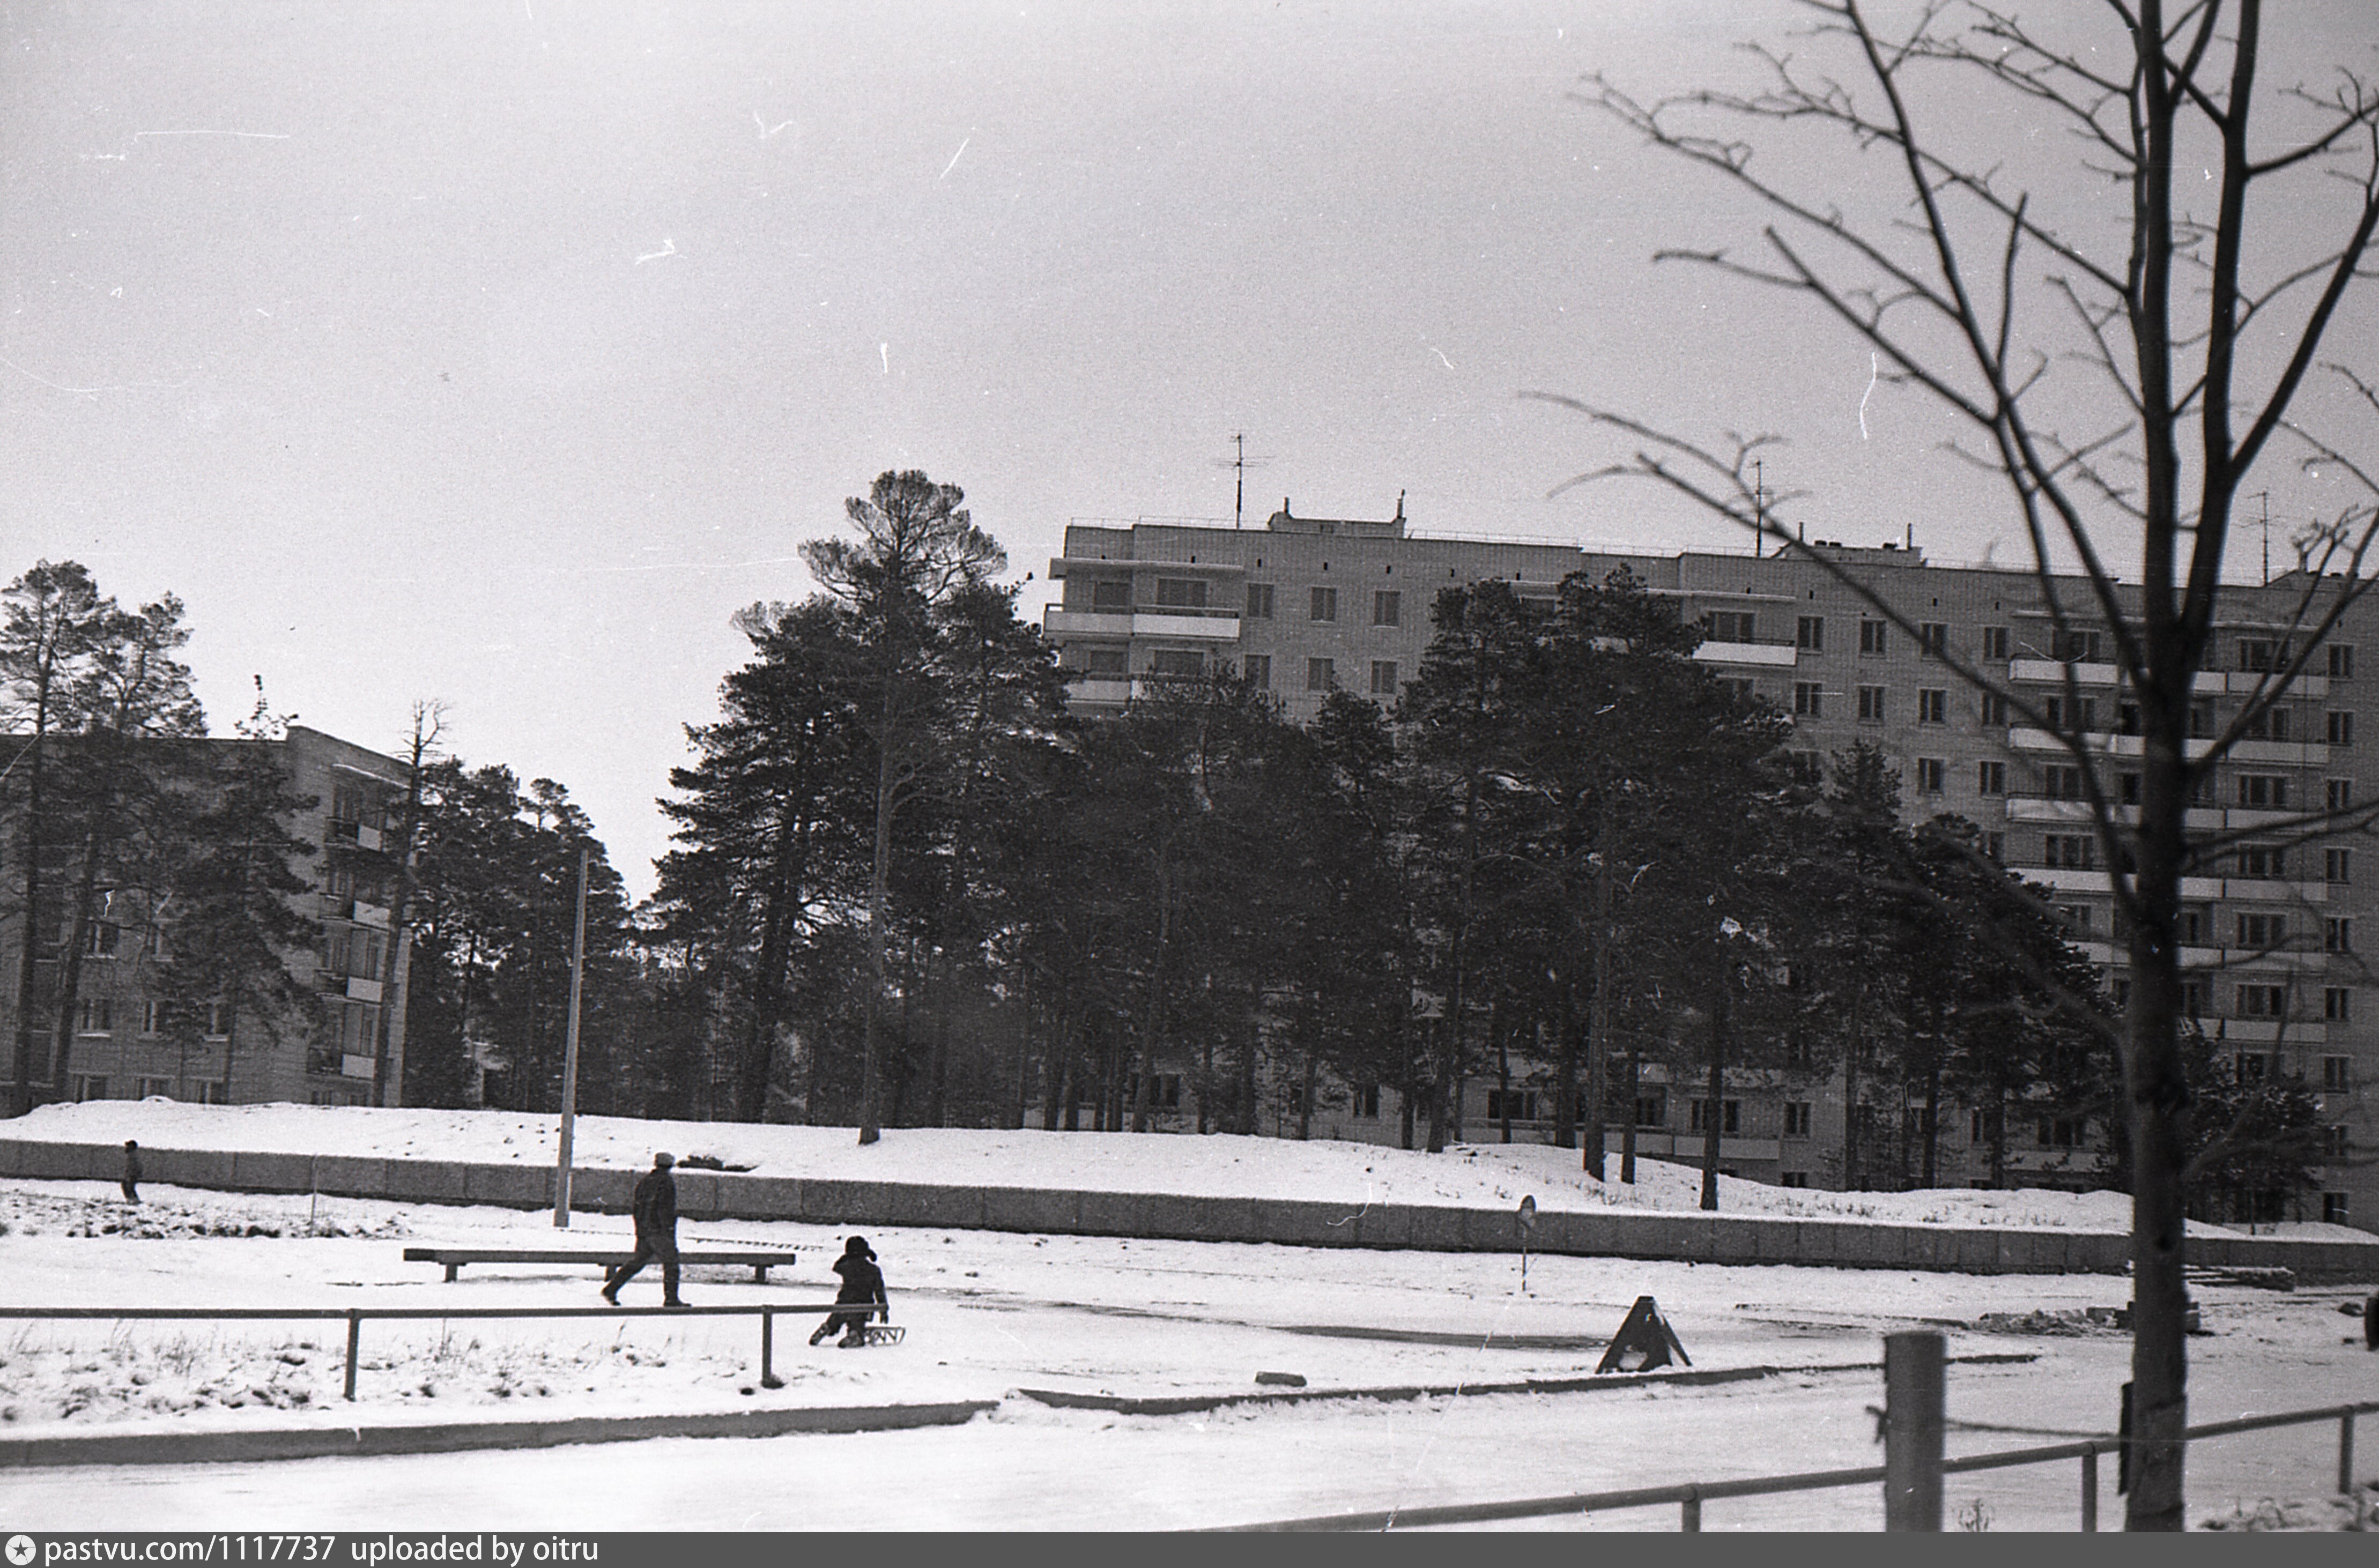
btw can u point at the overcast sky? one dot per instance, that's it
(495, 352)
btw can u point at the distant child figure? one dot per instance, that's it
(131, 1170)
(655, 1206)
(862, 1285)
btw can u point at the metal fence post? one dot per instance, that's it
(1914, 1410)
(2089, 1490)
(354, 1339)
(2346, 1450)
(769, 1378)
(1689, 1511)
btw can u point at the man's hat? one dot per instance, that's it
(664, 1160)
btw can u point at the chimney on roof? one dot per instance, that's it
(1400, 506)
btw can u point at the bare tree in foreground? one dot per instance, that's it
(2123, 369)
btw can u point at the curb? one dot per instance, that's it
(317, 1443)
(1193, 1404)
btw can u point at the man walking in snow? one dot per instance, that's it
(131, 1170)
(654, 1207)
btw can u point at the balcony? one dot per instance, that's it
(1203, 623)
(2240, 683)
(361, 835)
(2052, 671)
(373, 915)
(2264, 1032)
(328, 1063)
(361, 990)
(1769, 656)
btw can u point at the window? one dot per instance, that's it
(1364, 1101)
(1792, 1178)
(1932, 705)
(2077, 917)
(1806, 767)
(1741, 688)
(1932, 774)
(1731, 626)
(2062, 782)
(2341, 661)
(2337, 934)
(218, 1020)
(90, 1085)
(2267, 724)
(94, 1016)
(2338, 866)
(1176, 664)
(1181, 593)
(1519, 1104)
(1796, 1118)
(2201, 722)
(1730, 1116)
(2336, 1005)
(99, 939)
(1798, 1051)
(1977, 1126)
(1651, 1110)
(2336, 1143)
(2127, 788)
(2072, 851)
(2072, 715)
(2262, 1001)
(1111, 592)
(207, 1091)
(1871, 636)
(2262, 860)
(2120, 988)
(153, 1018)
(2332, 1204)
(2337, 1074)
(2337, 795)
(1810, 633)
(1994, 711)
(1870, 704)
(1325, 604)
(1109, 661)
(1808, 700)
(2263, 790)
(2263, 930)
(1259, 669)
(1384, 678)
(1991, 778)
(156, 1085)
(1260, 601)
(2191, 925)
(2341, 729)
(2196, 996)
(1995, 641)
(2259, 654)
(1995, 846)
(1165, 1090)
(1320, 675)
(1387, 608)
(2249, 1067)
(2074, 647)
(1932, 638)
(2060, 1132)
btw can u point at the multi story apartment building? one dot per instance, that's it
(119, 1048)
(1306, 605)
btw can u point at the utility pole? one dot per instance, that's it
(570, 1054)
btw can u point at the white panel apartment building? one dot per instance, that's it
(1305, 605)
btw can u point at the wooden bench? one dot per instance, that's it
(759, 1260)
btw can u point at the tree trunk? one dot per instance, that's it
(1496, 1028)
(1154, 1018)
(1714, 1107)
(1628, 1127)
(30, 921)
(1305, 1102)
(69, 990)
(1932, 1128)
(1597, 1044)
(1565, 1068)
(871, 1050)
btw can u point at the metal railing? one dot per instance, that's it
(354, 1317)
(1690, 1496)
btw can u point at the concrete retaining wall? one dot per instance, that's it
(1618, 1233)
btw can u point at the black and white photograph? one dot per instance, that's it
(1195, 766)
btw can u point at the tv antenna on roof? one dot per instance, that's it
(2265, 497)
(1242, 463)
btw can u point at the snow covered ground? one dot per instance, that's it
(1483, 1176)
(990, 1314)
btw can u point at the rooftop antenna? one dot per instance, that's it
(1241, 463)
(2265, 497)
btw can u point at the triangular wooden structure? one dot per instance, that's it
(1644, 1341)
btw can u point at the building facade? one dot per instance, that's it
(2275, 943)
(119, 1048)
